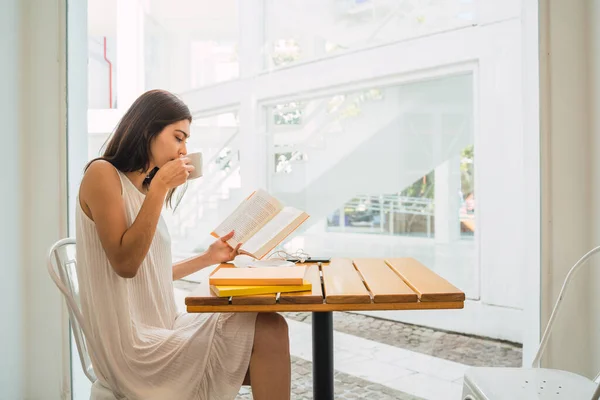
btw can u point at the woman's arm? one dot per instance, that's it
(191, 265)
(100, 194)
(217, 253)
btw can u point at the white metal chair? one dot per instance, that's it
(62, 269)
(533, 383)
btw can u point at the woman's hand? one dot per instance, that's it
(172, 174)
(220, 251)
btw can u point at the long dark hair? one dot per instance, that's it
(128, 149)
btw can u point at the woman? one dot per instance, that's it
(146, 350)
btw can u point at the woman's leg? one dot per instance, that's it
(246, 381)
(270, 367)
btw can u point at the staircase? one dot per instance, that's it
(360, 146)
(402, 157)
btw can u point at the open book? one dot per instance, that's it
(260, 223)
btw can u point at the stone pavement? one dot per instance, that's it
(346, 386)
(450, 346)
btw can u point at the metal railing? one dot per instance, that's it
(376, 210)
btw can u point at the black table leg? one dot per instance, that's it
(322, 350)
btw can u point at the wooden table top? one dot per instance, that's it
(344, 284)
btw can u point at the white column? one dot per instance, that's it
(530, 49)
(447, 186)
(251, 36)
(77, 84)
(12, 275)
(33, 205)
(569, 205)
(252, 130)
(179, 63)
(130, 52)
(594, 64)
(202, 64)
(312, 46)
(77, 153)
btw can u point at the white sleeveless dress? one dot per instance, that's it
(144, 348)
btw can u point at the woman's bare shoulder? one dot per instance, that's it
(100, 176)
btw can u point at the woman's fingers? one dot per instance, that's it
(236, 251)
(240, 251)
(228, 236)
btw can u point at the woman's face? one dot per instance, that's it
(170, 143)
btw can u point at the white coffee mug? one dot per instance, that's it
(196, 161)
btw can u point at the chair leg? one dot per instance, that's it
(596, 394)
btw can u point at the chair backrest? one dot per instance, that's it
(62, 269)
(555, 311)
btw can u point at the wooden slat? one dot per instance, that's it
(385, 285)
(434, 291)
(252, 300)
(202, 295)
(419, 305)
(314, 296)
(426, 283)
(343, 284)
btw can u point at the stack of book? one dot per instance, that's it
(226, 282)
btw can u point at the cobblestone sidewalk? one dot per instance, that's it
(464, 349)
(346, 386)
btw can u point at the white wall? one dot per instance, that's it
(569, 194)
(33, 203)
(11, 276)
(594, 87)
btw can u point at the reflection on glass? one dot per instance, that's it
(288, 113)
(217, 137)
(135, 46)
(388, 171)
(300, 30)
(467, 186)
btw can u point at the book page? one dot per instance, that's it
(249, 217)
(280, 223)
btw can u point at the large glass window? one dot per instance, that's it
(136, 46)
(201, 206)
(385, 170)
(405, 139)
(301, 30)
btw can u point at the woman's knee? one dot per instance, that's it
(271, 329)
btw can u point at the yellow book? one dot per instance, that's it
(226, 291)
(259, 276)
